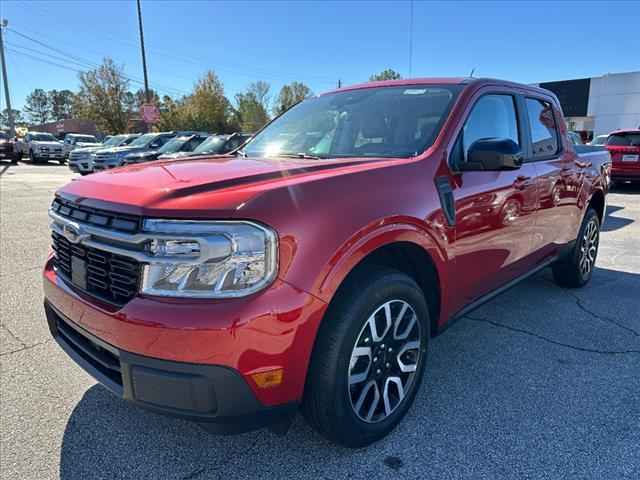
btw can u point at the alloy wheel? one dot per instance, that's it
(589, 248)
(384, 360)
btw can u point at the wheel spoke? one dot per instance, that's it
(364, 393)
(358, 353)
(388, 408)
(407, 331)
(411, 367)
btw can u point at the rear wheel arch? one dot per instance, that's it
(597, 202)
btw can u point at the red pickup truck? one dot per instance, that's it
(311, 268)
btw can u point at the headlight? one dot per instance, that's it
(209, 259)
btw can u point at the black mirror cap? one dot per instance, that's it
(493, 154)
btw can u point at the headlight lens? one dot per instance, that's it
(209, 259)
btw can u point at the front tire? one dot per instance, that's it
(576, 270)
(369, 358)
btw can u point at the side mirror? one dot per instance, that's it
(492, 155)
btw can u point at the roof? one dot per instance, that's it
(439, 81)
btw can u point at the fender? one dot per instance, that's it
(375, 236)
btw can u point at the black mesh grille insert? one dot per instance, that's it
(111, 277)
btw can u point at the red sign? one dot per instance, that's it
(149, 113)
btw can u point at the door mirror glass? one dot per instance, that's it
(491, 155)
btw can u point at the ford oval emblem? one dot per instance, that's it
(73, 232)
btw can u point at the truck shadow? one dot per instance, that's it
(537, 375)
(613, 223)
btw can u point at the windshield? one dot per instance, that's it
(142, 140)
(623, 139)
(114, 141)
(86, 139)
(212, 144)
(377, 122)
(599, 140)
(173, 145)
(43, 137)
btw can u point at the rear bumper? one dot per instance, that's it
(215, 396)
(622, 175)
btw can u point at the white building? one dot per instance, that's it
(599, 105)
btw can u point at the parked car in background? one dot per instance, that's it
(599, 140)
(8, 148)
(114, 157)
(178, 144)
(40, 146)
(312, 268)
(574, 138)
(81, 159)
(214, 145)
(624, 147)
(76, 140)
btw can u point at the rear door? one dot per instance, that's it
(495, 211)
(560, 175)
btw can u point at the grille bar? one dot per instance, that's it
(95, 216)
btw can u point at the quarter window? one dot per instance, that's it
(493, 116)
(544, 132)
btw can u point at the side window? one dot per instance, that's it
(493, 116)
(544, 132)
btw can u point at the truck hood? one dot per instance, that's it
(126, 149)
(88, 149)
(211, 187)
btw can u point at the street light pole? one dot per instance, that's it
(12, 130)
(147, 94)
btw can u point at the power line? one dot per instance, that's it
(79, 61)
(122, 38)
(76, 70)
(103, 54)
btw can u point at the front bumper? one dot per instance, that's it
(107, 164)
(80, 166)
(49, 155)
(215, 396)
(273, 329)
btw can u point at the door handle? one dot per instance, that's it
(521, 182)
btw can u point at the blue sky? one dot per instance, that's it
(316, 42)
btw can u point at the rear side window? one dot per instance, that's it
(544, 132)
(493, 116)
(624, 139)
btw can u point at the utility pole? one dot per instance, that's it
(411, 40)
(12, 130)
(147, 94)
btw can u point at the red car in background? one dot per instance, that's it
(624, 147)
(8, 148)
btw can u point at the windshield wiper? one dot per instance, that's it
(304, 156)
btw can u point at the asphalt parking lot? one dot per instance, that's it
(539, 383)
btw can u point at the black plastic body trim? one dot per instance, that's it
(215, 396)
(443, 185)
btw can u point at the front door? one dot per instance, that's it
(495, 211)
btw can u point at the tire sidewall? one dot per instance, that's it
(358, 431)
